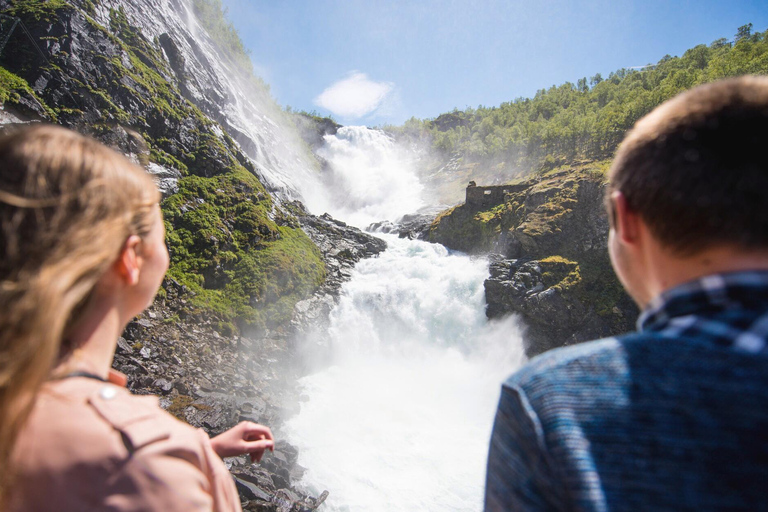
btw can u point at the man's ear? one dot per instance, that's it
(128, 263)
(625, 221)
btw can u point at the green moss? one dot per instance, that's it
(37, 10)
(160, 157)
(559, 272)
(463, 229)
(89, 7)
(173, 319)
(245, 269)
(12, 87)
(107, 103)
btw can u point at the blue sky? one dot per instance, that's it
(375, 62)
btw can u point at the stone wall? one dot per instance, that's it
(490, 196)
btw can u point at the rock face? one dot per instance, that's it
(414, 226)
(554, 314)
(146, 79)
(550, 234)
(212, 382)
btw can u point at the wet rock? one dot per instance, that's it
(167, 178)
(550, 233)
(412, 226)
(554, 314)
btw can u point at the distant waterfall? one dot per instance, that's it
(368, 178)
(401, 419)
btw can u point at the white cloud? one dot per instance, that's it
(354, 96)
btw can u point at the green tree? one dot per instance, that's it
(744, 32)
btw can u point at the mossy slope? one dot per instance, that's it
(556, 218)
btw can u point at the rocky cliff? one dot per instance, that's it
(153, 80)
(548, 234)
(152, 87)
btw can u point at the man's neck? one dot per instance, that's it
(670, 270)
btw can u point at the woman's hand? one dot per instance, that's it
(245, 437)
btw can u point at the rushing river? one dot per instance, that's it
(400, 419)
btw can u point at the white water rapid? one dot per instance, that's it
(400, 420)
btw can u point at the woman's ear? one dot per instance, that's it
(128, 264)
(625, 221)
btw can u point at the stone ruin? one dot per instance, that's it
(491, 195)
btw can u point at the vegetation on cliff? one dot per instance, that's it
(213, 16)
(244, 258)
(555, 219)
(587, 119)
(540, 216)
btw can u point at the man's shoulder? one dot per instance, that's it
(573, 361)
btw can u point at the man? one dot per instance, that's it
(675, 415)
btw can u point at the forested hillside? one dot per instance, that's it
(585, 120)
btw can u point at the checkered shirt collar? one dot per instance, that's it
(678, 309)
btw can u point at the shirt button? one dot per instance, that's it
(108, 393)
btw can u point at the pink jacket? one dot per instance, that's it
(90, 445)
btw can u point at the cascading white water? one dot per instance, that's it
(369, 178)
(216, 84)
(400, 419)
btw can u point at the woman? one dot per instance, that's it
(82, 252)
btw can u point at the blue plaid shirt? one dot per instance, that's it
(672, 417)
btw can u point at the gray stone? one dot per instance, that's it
(163, 385)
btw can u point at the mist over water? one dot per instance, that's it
(401, 417)
(369, 178)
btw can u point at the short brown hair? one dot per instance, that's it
(696, 168)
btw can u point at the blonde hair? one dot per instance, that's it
(67, 206)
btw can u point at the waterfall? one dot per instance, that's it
(368, 178)
(214, 83)
(400, 420)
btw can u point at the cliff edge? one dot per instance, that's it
(548, 237)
